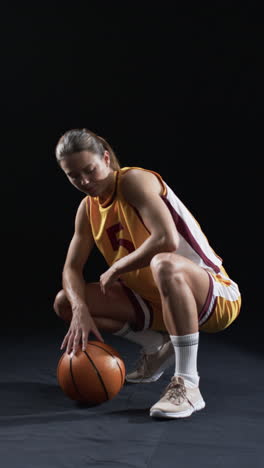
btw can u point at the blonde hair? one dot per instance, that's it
(76, 140)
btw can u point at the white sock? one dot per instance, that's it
(186, 348)
(150, 340)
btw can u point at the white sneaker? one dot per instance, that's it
(177, 401)
(150, 367)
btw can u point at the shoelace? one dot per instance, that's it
(175, 391)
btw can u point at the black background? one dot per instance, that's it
(179, 91)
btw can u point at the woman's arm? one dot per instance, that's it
(142, 190)
(78, 252)
(74, 284)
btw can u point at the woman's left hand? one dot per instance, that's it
(107, 279)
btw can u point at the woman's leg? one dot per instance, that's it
(110, 312)
(183, 288)
(114, 313)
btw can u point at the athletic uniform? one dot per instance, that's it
(118, 229)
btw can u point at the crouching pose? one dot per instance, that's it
(164, 282)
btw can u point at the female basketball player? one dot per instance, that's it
(164, 282)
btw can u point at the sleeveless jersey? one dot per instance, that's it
(118, 229)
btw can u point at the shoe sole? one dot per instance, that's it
(156, 413)
(157, 375)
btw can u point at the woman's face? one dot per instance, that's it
(88, 172)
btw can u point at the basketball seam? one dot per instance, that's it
(122, 377)
(98, 374)
(73, 379)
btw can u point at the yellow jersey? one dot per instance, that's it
(118, 230)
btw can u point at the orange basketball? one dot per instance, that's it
(91, 376)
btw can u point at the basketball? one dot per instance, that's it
(92, 376)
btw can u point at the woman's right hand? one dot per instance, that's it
(81, 325)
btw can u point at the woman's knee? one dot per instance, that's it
(62, 306)
(167, 269)
(167, 264)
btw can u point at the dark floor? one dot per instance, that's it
(41, 428)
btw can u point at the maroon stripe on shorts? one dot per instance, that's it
(211, 313)
(187, 235)
(208, 299)
(140, 316)
(149, 306)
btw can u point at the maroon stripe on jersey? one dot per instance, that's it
(140, 316)
(187, 235)
(140, 217)
(208, 299)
